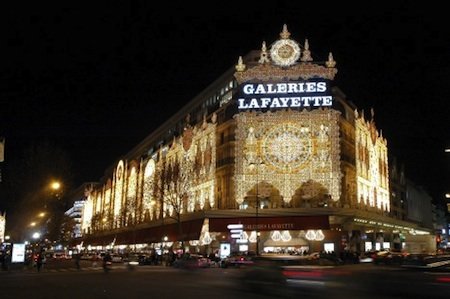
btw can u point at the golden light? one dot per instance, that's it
(55, 185)
(42, 214)
(33, 224)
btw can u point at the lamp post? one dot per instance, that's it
(53, 211)
(257, 211)
(257, 165)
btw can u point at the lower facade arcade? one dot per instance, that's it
(223, 234)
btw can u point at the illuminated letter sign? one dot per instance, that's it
(301, 94)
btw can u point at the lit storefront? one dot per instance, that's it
(271, 145)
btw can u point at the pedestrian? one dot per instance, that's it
(39, 261)
(3, 259)
(107, 259)
(77, 260)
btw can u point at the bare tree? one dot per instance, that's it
(174, 189)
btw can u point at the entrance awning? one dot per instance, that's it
(271, 223)
(294, 242)
(190, 230)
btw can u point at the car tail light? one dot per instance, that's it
(443, 279)
(302, 274)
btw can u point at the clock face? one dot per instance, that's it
(285, 52)
(287, 147)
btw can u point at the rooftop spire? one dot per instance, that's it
(330, 63)
(264, 58)
(240, 66)
(306, 53)
(285, 34)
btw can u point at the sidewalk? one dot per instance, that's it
(20, 268)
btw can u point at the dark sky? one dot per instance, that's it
(96, 79)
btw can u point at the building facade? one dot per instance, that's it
(2, 226)
(272, 147)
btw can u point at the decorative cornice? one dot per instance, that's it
(268, 72)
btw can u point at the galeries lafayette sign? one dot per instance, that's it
(302, 94)
(271, 223)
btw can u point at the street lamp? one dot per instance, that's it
(257, 164)
(55, 185)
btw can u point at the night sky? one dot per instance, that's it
(97, 79)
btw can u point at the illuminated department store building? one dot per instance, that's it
(272, 146)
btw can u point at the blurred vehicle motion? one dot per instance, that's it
(282, 275)
(192, 261)
(437, 262)
(237, 261)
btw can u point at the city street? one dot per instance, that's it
(353, 281)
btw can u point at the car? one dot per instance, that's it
(131, 259)
(237, 261)
(192, 261)
(115, 258)
(60, 255)
(145, 259)
(388, 257)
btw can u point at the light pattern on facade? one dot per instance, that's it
(288, 154)
(98, 203)
(371, 165)
(118, 190)
(2, 227)
(87, 213)
(131, 204)
(191, 161)
(148, 202)
(180, 180)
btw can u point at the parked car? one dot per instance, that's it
(145, 259)
(60, 255)
(115, 258)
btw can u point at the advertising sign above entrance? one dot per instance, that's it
(301, 94)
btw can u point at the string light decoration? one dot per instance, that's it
(206, 240)
(371, 164)
(310, 235)
(118, 191)
(315, 235)
(252, 238)
(294, 147)
(286, 236)
(276, 236)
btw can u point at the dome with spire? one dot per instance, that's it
(286, 59)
